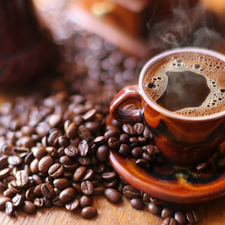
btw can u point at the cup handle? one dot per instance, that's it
(128, 95)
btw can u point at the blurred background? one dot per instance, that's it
(97, 46)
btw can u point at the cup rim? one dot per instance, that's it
(161, 55)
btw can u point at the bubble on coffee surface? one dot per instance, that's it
(213, 69)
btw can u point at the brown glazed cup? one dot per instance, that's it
(182, 140)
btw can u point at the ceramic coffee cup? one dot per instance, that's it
(187, 131)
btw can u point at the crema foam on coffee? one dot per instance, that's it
(190, 84)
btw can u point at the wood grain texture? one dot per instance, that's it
(212, 213)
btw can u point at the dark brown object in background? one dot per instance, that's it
(26, 48)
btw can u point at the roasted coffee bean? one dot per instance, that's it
(146, 197)
(136, 152)
(8, 179)
(12, 186)
(87, 187)
(142, 163)
(112, 132)
(154, 209)
(93, 126)
(37, 190)
(2, 186)
(167, 212)
(84, 160)
(29, 207)
(18, 200)
(90, 115)
(102, 153)
(156, 201)
(29, 158)
(25, 141)
(34, 166)
(133, 142)
(47, 190)
(131, 192)
(37, 179)
(61, 183)
(72, 151)
(139, 128)
(137, 203)
(67, 195)
(8, 193)
(3, 162)
(88, 175)
(151, 150)
(56, 170)
(83, 148)
(79, 173)
(124, 138)
(56, 201)
(129, 129)
(147, 134)
(148, 157)
(193, 216)
(47, 202)
(124, 150)
(38, 202)
(110, 184)
(72, 206)
(88, 212)
(9, 208)
(55, 120)
(180, 217)
(113, 195)
(113, 143)
(29, 194)
(3, 201)
(63, 141)
(100, 140)
(77, 187)
(142, 141)
(53, 137)
(38, 152)
(109, 176)
(98, 191)
(169, 221)
(202, 167)
(45, 163)
(14, 160)
(84, 133)
(8, 150)
(22, 178)
(85, 201)
(52, 151)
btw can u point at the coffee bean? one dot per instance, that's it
(84, 133)
(12, 185)
(9, 208)
(61, 183)
(136, 152)
(113, 143)
(142, 163)
(88, 175)
(72, 206)
(56, 170)
(67, 195)
(83, 148)
(3, 162)
(124, 138)
(84, 160)
(8, 150)
(72, 151)
(45, 163)
(139, 128)
(28, 207)
(22, 178)
(14, 160)
(113, 195)
(38, 202)
(193, 216)
(113, 132)
(109, 176)
(98, 191)
(180, 217)
(156, 201)
(147, 134)
(3, 201)
(18, 200)
(133, 142)
(47, 190)
(8, 193)
(137, 203)
(102, 153)
(85, 201)
(89, 115)
(151, 150)
(142, 140)
(129, 129)
(55, 120)
(87, 187)
(79, 173)
(25, 141)
(100, 140)
(167, 212)
(124, 150)
(29, 194)
(88, 212)
(34, 166)
(146, 197)
(29, 158)
(38, 152)
(37, 190)
(54, 134)
(131, 192)
(71, 131)
(93, 126)
(154, 209)
(56, 201)
(169, 221)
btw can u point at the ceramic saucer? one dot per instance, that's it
(173, 184)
